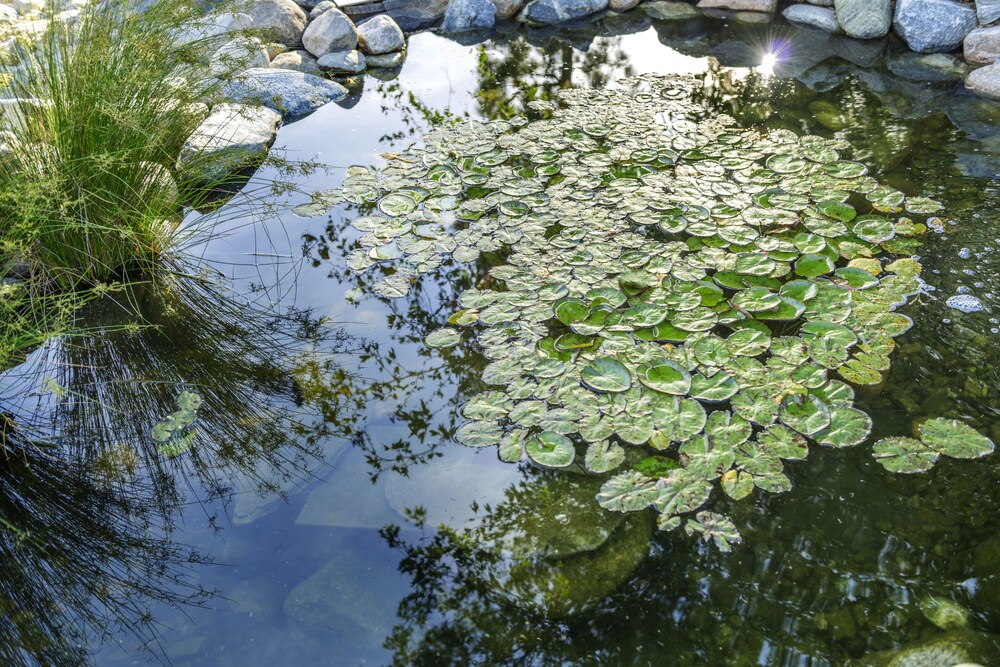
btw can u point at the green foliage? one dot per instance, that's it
(650, 278)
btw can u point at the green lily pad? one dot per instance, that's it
(848, 427)
(813, 266)
(606, 374)
(954, 438)
(443, 338)
(714, 528)
(904, 455)
(551, 450)
(837, 210)
(806, 414)
(667, 378)
(627, 492)
(603, 456)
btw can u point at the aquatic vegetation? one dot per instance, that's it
(174, 434)
(672, 281)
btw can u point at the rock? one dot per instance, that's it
(386, 60)
(947, 649)
(944, 613)
(380, 34)
(508, 9)
(933, 25)
(448, 490)
(559, 11)
(331, 31)
(7, 14)
(274, 49)
(214, 25)
(293, 94)
(232, 138)
(468, 15)
(621, 5)
(740, 5)
(342, 62)
(277, 20)
(415, 16)
(661, 10)
(864, 19)
(348, 499)
(982, 46)
(985, 81)
(821, 3)
(561, 553)
(751, 18)
(820, 18)
(927, 66)
(238, 55)
(300, 61)
(348, 600)
(988, 10)
(322, 7)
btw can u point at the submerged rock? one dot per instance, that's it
(948, 649)
(561, 553)
(232, 138)
(347, 600)
(387, 60)
(293, 94)
(933, 25)
(944, 613)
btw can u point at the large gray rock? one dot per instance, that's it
(864, 19)
(213, 26)
(241, 54)
(820, 18)
(933, 25)
(342, 62)
(380, 34)
(293, 94)
(989, 10)
(330, 31)
(982, 46)
(300, 61)
(7, 14)
(322, 7)
(277, 20)
(662, 10)
(558, 11)
(232, 138)
(468, 15)
(985, 81)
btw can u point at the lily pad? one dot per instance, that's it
(606, 374)
(667, 377)
(904, 455)
(954, 438)
(443, 338)
(551, 450)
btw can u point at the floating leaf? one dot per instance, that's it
(443, 338)
(551, 450)
(606, 374)
(479, 434)
(628, 492)
(954, 438)
(667, 377)
(603, 457)
(848, 427)
(904, 455)
(806, 414)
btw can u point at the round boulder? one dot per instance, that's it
(380, 34)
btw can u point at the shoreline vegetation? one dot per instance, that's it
(106, 144)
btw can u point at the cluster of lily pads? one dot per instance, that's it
(174, 434)
(683, 302)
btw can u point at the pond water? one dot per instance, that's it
(299, 527)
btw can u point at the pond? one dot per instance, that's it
(300, 524)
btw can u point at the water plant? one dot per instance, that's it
(679, 294)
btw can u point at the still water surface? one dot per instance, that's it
(329, 419)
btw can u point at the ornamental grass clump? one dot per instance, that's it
(98, 111)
